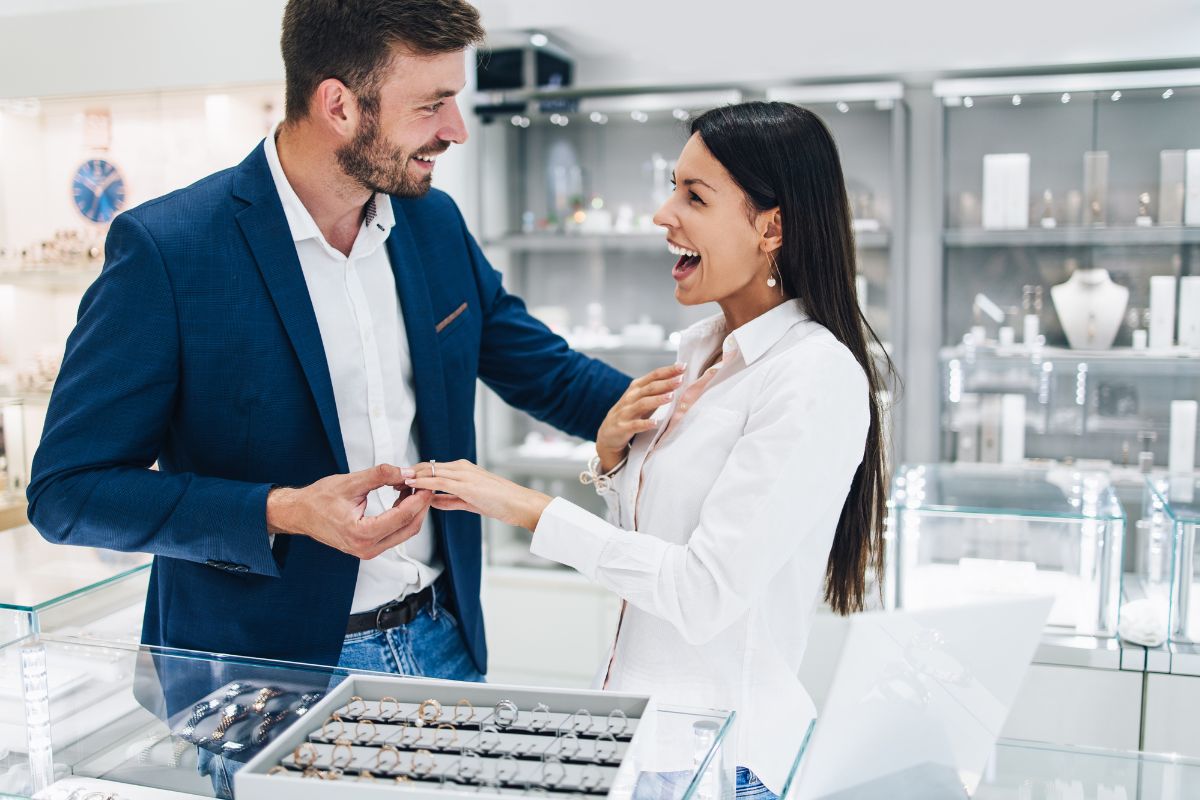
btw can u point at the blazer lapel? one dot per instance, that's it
(417, 308)
(265, 227)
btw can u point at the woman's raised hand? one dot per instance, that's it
(631, 414)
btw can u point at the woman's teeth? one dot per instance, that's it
(680, 251)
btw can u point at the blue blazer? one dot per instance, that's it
(198, 348)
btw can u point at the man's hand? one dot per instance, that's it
(471, 488)
(331, 511)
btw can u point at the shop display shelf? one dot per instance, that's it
(1074, 236)
(50, 276)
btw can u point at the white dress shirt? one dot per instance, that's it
(735, 511)
(366, 348)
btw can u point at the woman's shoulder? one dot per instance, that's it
(811, 350)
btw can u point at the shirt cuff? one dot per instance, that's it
(571, 536)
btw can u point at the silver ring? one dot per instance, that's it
(433, 466)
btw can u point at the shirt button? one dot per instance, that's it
(683, 406)
(375, 412)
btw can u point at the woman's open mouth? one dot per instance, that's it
(687, 263)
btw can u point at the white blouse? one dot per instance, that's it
(736, 511)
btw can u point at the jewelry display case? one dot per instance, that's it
(70, 591)
(1069, 246)
(569, 186)
(964, 532)
(1005, 404)
(1173, 517)
(151, 716)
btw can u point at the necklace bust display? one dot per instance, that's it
(1090, 307)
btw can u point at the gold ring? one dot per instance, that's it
(360, 701)
(341, 731)
(404, 729)
(366, 775)
(428, 767)
(424, 718)
(334, 773)
(437, 736)
(467, 706)
(339, 745)
(306, 747)
(395, 710)
(358, 730)
(387, 748)
(401, 779)
(311, 772)
(277, 770)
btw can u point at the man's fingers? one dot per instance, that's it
(379, 475)
(374, 529)
(398, 537)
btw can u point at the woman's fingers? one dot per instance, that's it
(644, 408)
(660, 374)
(448, 502)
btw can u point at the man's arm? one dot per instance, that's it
(108, 417)
(532, 368)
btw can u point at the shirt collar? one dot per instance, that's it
(752, 339)
(380, 216)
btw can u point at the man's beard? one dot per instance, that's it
(380, 167)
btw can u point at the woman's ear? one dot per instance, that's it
(770, 226)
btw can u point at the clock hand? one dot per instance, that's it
(107, 182)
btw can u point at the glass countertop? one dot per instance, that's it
(35, 573)
(107, 716)
(1016, 490)
(1179, 494)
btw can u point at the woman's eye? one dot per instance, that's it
(695, 198)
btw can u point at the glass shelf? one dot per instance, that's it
(113, 714)
(65, 589)
(1167, 236)
(650, 242)
(963, 533)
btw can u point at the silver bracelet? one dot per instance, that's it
(602, 481)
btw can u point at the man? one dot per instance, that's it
(278, 334)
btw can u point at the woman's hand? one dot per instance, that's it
(631, 414)
(471, 488)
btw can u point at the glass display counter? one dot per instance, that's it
(137, 721)
(969, 532)
(71, 591)
(1174, 518)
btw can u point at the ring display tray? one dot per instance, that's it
(377, 735)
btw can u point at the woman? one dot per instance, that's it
(748, 483)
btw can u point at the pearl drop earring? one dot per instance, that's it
(771, 282)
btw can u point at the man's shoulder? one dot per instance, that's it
(190, 205)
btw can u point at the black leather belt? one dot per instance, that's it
(392, 615)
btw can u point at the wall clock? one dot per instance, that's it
(98, 190)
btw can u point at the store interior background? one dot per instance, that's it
(191, 87)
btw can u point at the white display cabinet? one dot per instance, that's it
(1005, 404)
(968, 532)
(14, 453)
(1070, 260)
(570, 181)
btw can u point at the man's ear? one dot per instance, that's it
(335, 108)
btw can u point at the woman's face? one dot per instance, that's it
(710, 231)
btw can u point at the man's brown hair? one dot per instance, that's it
(351, 40)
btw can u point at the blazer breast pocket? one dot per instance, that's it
(454, 321)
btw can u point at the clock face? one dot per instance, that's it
(98, 190)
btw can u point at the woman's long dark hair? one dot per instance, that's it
(783, 156)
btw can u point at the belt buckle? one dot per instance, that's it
(383, 610)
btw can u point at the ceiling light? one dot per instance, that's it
(639, 116)
(1116, 95)
(539, 40)
(843, 107)
(598, 118)
(1066, 98)
(1168, 94)
(681, 115)
(969, 102)
(1016, 100)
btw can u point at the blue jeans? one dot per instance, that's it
(671, 785)
(429, 646)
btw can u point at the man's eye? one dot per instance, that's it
(433, 109)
